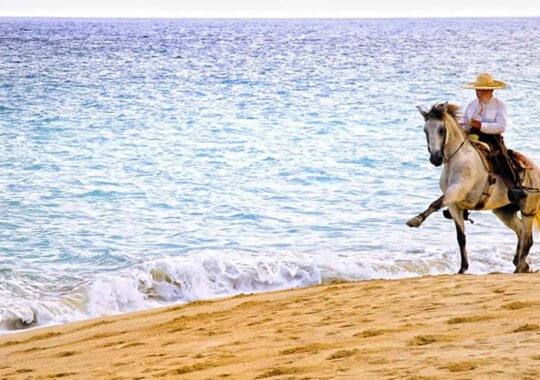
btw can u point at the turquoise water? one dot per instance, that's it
(149, 162)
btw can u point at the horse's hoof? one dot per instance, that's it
(523, 268)
(414, 222)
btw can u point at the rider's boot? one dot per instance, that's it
(447, 215)
(516, 194)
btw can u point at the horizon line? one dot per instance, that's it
(274, 15)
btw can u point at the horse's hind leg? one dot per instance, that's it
(457, 215)
(508, 215)
(526, 243)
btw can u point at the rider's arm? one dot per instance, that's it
(499, 124)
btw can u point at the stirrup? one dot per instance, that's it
(466, 214)
(447, 214)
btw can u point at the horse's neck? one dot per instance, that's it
(463, 155)
(455, 139)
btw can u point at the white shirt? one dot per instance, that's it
(492, 114)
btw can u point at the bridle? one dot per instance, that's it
(446, 160)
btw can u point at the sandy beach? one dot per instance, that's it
(439, 327)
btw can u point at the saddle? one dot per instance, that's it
(509, 164)
(484, 150)
(520, 160)
(497, 159)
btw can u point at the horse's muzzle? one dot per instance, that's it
(436, 159)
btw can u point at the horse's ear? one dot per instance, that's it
(445, 107)
(422, 112)
(442, 107)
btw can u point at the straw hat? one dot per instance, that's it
(485, 81)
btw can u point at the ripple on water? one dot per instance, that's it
(233, 155)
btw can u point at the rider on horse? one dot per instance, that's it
(485, 117)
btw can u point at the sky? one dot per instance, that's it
(270, 8)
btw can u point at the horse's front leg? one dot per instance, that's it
(433, 207)
(459, 221)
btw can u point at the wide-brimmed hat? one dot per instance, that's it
(485, 81)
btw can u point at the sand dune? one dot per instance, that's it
(463, 327)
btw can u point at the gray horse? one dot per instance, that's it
(467, 184)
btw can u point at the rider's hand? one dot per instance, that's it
(474, 127)
(475, 124)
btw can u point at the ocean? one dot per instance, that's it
(153, 162)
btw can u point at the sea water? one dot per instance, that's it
(151, 162)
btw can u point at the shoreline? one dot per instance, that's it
(473, 326)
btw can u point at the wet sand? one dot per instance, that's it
(459, 327)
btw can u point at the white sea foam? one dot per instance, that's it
(210, 275)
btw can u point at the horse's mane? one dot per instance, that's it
(438, 111)
(454, 111)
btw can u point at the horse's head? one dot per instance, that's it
(436, 129)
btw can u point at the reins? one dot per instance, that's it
(457, 150)
(531, 189)
(446, 160)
